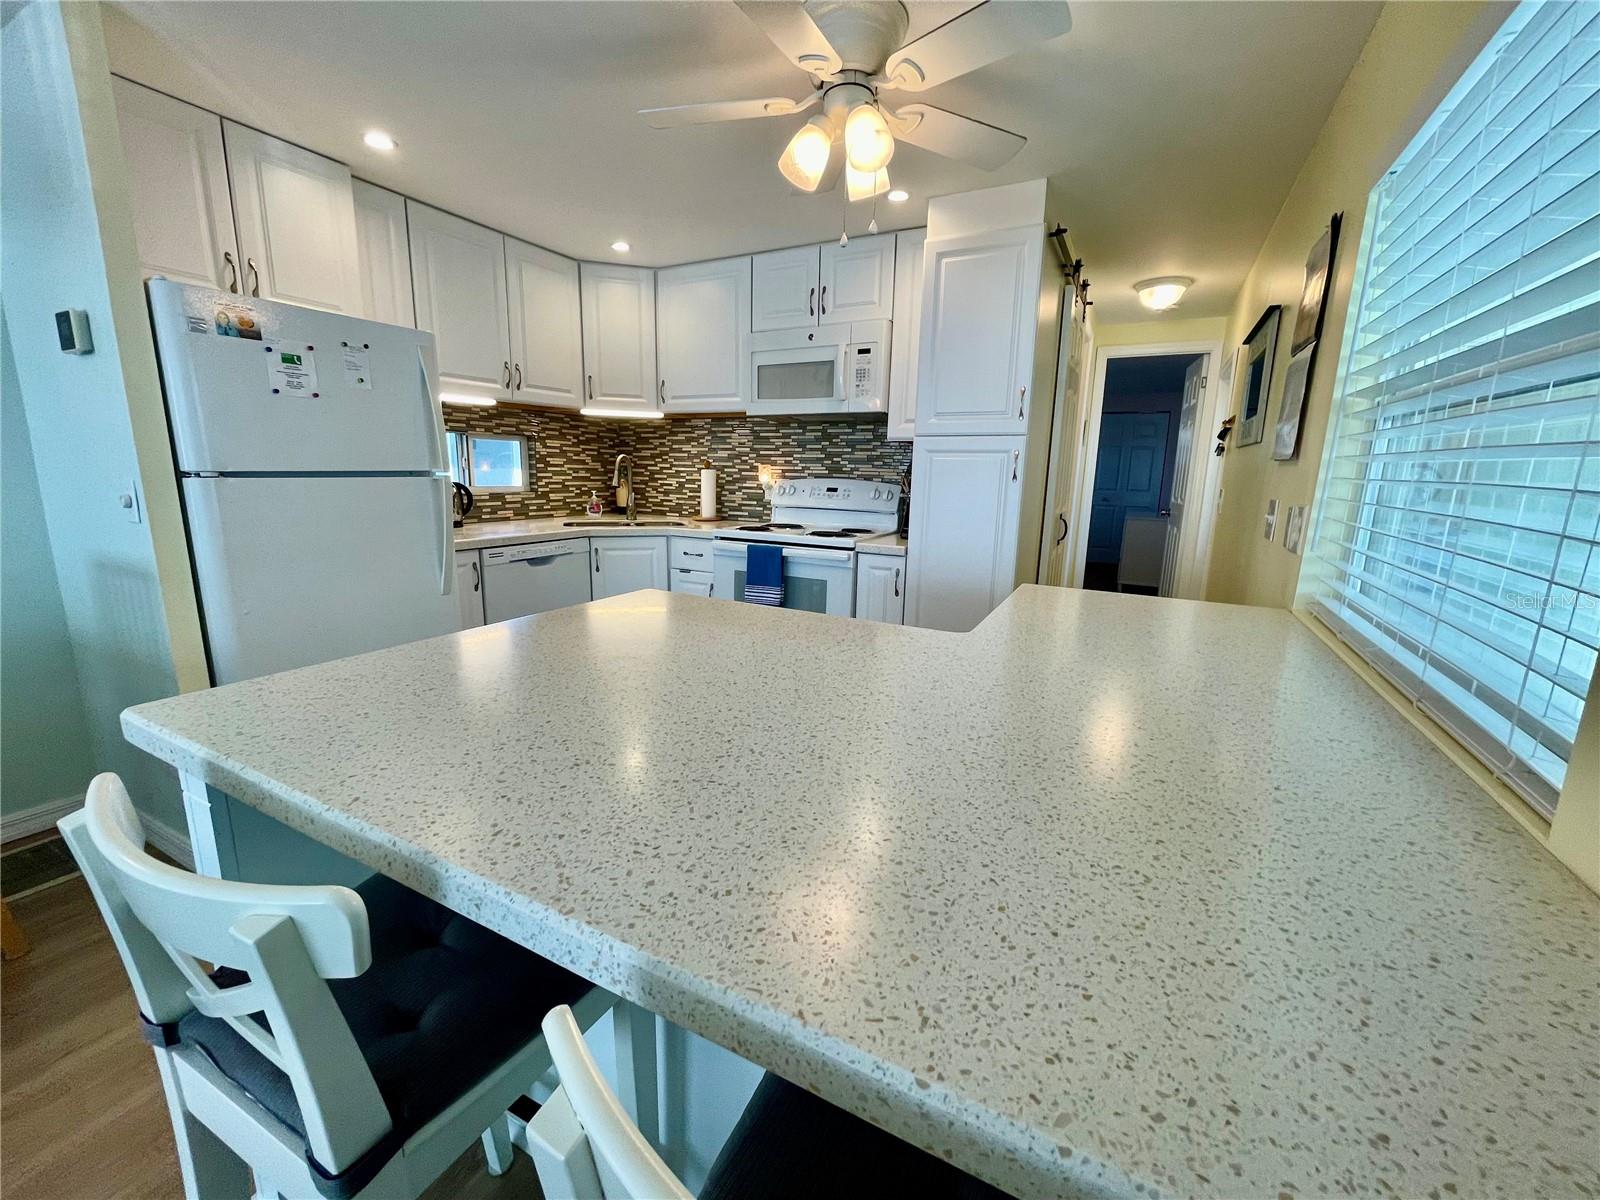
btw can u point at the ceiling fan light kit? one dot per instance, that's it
(847, 48)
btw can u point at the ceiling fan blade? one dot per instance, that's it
(976, 38)
(723, 110)
(794, 32)
(954, 136)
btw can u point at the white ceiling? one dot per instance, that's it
(1174, 129)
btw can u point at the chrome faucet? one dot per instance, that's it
(623, 471)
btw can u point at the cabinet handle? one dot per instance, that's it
(811, 303)
(233, 271)
(1063, 536)
(517, 372)
(693, 553)
(661, 391)
(255, 277)
(477, 577)
(597, 560)
(824, 299)
(1022, 396)
(1015, 455)
(591, 387)
(897, 581)
(506, 381)
(711, 588)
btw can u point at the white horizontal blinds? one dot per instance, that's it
(1455, 536)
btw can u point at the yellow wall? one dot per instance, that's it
(1413, 57)
(1160, 330)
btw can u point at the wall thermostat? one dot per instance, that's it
(72, 330)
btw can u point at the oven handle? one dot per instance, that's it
(728, 547)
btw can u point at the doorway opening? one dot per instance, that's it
(1140, 501)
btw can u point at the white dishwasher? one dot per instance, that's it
(534, 578)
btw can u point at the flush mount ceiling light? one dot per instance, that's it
(898, 196)
(620, 246)
(846, 47)
(1162, 292)
(379, 140)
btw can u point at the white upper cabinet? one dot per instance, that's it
(856, 280)
(458, 272)
(619, 337)
(980, 297)
(906, 338)
(703, 336)
(965, 509)
(182, 214)
(383, 254)
(546, 326)
(297, 222)
(784, 288)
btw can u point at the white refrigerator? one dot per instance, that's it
(316, 486)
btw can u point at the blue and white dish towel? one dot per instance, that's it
(763, 575)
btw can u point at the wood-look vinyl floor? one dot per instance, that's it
(81, 1111)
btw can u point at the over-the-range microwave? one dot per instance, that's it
(821, 371)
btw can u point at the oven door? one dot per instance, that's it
(818, 580)
(795, 374)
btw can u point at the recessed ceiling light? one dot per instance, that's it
(1162, 293)
(899, 196)
(379, 140)
(620, 246)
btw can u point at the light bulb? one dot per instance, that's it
(805, 158)
(379, 140)
(868, 144)
(864, 185)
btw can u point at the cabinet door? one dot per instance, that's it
(458, 272)
(692, 583)
(962, 554)
(980, 298)
(619, 337)
(182, 215)
(546, 326)
(627, 564)
(784, 288)
(880, 587)
(703, 336)
(469, 588)
(906, 337)
(856, 281)
(383, 254)
(297, 222)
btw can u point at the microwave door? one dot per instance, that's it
(798, 380)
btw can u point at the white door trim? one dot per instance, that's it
(1186, 585)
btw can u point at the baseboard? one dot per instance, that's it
(169, 841)
(37, 819)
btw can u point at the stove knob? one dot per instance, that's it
(877, 493)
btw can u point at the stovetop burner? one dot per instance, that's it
(835, 533)
(769, 527)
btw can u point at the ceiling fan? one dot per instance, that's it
(847, 47)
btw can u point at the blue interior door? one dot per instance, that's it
(1127, 479)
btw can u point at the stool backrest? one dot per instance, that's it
(582, 1140)
(167, 923)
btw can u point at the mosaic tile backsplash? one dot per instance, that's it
(573, 455)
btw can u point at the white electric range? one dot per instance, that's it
(818, 522)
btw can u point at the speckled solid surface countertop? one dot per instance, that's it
(477, 535)
(1113, 896)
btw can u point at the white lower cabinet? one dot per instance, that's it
(881, 587)
(469, 588)
(965, 511)
(627, 564)
(693, 583)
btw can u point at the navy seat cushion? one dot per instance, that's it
(444, 1002)
(792, 1145)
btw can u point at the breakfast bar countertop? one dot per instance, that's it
(1113, 896)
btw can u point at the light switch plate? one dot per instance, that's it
(1269, 527)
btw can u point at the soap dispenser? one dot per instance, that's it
(594, 504)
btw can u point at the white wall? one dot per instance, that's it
(95, 421)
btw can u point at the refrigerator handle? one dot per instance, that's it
(441, 461)
(447, 566)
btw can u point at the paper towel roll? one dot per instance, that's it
(708, 494)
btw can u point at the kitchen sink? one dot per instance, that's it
(636, 524)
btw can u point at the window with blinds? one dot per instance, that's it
(1455, 531)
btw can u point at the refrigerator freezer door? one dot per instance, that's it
(253, 385)
(295, 571)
